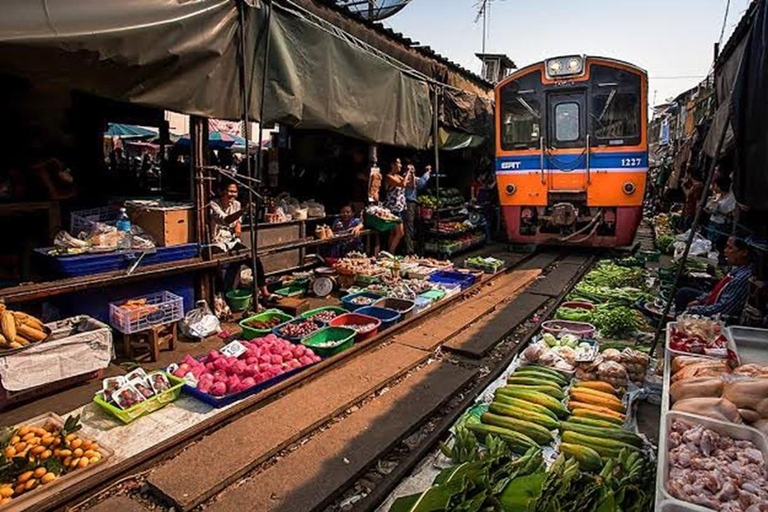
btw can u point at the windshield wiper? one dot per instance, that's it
(529, 108)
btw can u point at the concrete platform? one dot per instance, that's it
(118, 504)
(217, 460)
(307, 478)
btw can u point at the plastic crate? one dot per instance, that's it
(276, 330)
(143, 408)
(433, 295)
(339, 339)
(380, 225)
(223, 401)
(351, 319)
(89, 264)
(403, 306)
(388, 317)
(85, 220)
(161, 308)
(312, 312)
(451, 277)
(350, 306)
(250, 333)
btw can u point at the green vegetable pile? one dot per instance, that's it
(625, 295)
(630, 261)
(607, 273)
(616, 322)
(490, 478)
(664, 243)
(573, 314)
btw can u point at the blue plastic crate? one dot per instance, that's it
(89, 264)
(451, 277)
(388, 317)
(349, 306)
(222, 401)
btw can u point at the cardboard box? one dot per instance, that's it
(167, 223)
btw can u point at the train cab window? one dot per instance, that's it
(521, 118)
(615, 106)
(567, 122)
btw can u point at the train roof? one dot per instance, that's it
(527, 69)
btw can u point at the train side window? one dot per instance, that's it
(567, 122)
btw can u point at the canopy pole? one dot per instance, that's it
(262, 105)
(689, 242)
(435, 141)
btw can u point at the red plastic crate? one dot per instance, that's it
(352, 319)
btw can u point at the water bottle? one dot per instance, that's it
(124, 230)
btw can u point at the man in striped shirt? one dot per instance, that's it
(729, 296)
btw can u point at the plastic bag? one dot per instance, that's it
(699, 247)
(200, 322)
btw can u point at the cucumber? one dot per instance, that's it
(524, 414)
(536, 432)
(544, 371)
(603, 433)
(524, 404)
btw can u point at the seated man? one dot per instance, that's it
(347, 223)
(729, 296)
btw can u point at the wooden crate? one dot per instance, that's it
(167, 224)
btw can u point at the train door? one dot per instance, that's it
(566, 130)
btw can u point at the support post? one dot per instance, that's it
(691, 235)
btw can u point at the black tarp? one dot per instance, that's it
(750, 117)
(184, 56)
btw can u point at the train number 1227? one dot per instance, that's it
(631, 162)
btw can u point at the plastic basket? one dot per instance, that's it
(293, 290)
(143, 408)
(250, 333)
(351, 319)
(451, 277)
(296, 339)
(402, 306)
(433, 295)
(350, 306)
(84, 220)
(388, 317)
(239, 300)
(161, 308)
(312, 312)
(381, 225)
(339, 339)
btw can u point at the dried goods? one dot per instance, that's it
(362, 300)
(714, 470)
(362, 328)
(325, 316)
(299, 329)
(269, 323)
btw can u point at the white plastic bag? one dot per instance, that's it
(200, 322)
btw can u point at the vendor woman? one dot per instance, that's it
(226, 229)
(347, 223)
(729, 296)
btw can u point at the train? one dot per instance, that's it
(572, 151)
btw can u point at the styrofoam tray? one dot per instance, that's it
(673, 505)
(731, 346)
(750, 342)
(734, 430)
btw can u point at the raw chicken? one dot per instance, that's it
(716, 471)
(699, 387)
(716, 408)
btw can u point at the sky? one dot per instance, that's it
(672, 39)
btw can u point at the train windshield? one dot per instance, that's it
(615, 106)
(521, 118)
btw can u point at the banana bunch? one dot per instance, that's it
(18, 329)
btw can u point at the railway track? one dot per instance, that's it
(342, 437)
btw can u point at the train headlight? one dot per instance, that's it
(565, 66)
(511, 189)
(629, 188)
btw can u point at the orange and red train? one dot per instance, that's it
(572, 151)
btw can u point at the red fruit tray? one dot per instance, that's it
(352, 319)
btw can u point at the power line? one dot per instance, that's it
(676, 77)
(725, 19)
